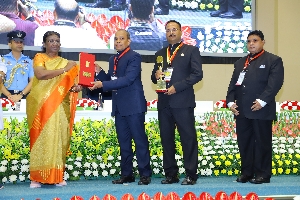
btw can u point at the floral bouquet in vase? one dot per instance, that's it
(221, 105)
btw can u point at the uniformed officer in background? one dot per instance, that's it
(20, 73)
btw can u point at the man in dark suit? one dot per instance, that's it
(230, 9)
(176, 105)
(255, 81)
(128, 107)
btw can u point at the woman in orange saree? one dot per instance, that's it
(50, 110)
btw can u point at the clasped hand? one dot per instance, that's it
(15, 97)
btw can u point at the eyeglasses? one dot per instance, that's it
(171, 30)
(52, 41)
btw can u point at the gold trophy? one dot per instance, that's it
(161, 84)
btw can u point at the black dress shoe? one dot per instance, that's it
(117, 7)
(170, 180)
(230, 15)
(159, 11)
(243, 179)
(216, 13)
(99, 4)
(124, 179)
(259, 180)
(144, 180)
(188, 181)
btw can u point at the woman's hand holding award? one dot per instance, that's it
(161, 84)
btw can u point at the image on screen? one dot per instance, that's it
(215, 26)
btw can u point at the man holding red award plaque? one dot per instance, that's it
(181, 66)
(128, 107)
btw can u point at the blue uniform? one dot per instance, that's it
(23, 71)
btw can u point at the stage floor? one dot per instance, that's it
(281, 187)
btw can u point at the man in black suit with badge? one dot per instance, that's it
(176, 105)
(255, 82)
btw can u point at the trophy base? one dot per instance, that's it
(161, 90)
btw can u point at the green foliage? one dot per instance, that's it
(95, 152)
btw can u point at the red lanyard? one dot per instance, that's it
(248, 60)
(117, 58)
(171, 58)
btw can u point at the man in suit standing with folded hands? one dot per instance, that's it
(255, 82)
(176, 105)
(128, 106)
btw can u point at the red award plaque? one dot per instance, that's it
(87, 69)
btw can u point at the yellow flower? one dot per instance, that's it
(102, 139)
(279, 163)
(227, 163)
(295, 170)
(223, 171)
(229, 173)
(236, 171)
(218, 163)
(216, 172)
(210, 5)
(294, 162)
(290, 156)
(78, 154)
(217, 7)
(223, 157)
(230, 156)
(287, 162)
(247, 8)
(273, 164)
(215, 157)
(202, 6)
(109, 151)
(276, 157)
(297, 155)
(274, 171)
(287, 171)
(238, 156)
(283, 156)
(280, 170)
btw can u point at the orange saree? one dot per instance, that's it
(50, 114)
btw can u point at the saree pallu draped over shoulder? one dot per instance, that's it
(50, 113)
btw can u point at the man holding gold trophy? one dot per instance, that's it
(178, 67)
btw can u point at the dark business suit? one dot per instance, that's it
(234, 6)
(263, 80)
(94, 94)
(129, 107)
(177, 110)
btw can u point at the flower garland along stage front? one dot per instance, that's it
(95, 152)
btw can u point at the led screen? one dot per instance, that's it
(201, 26)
